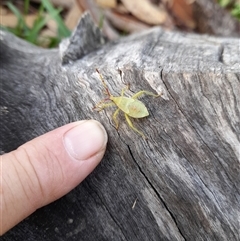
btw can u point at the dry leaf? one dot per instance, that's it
(146, 11)
(3, 11)
(125, 22)
(121, 9)
(97, 15)
(73, 16)
(107, 3)
(51, 24)
(182, 9)
(10, 20)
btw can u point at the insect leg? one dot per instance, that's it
(134, 128)
(124, 89)
(142, 92)
(115, 118)
(100, 106)
(104, 83)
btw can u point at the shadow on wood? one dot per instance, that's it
(182, 183)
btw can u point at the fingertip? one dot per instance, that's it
(48, 167)
(85, 140)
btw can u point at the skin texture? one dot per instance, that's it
(48, 167)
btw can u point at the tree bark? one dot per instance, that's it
(182, 183)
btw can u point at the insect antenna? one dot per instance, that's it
(104, 84)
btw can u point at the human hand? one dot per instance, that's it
(48, 167)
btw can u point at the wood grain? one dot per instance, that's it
(181, 184)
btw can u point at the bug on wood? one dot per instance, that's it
(131, 106)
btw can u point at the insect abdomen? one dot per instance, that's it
(131, 107)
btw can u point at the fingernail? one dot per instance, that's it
(85, 140)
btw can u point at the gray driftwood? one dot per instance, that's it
(181, 184)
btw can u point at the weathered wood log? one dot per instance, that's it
(180, 184)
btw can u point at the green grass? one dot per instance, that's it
(232, 5)
(32, 34)
(236, 11)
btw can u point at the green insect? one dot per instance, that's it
(130, 106)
